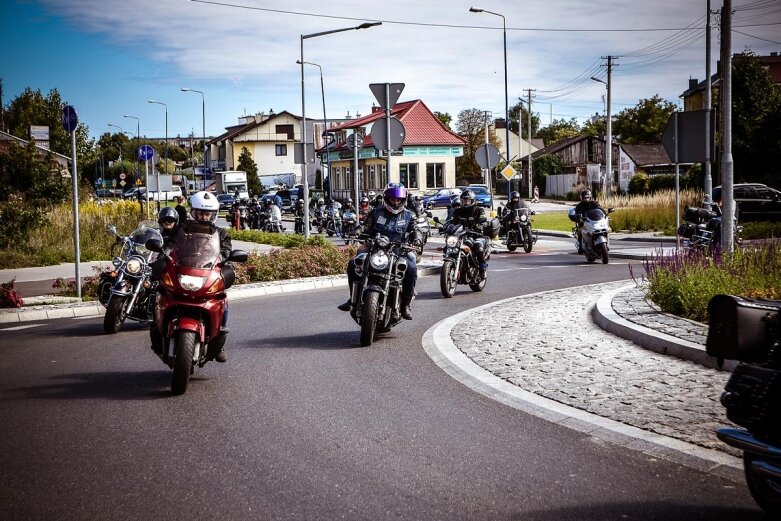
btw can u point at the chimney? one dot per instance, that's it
(693, 83)
(376, 109)
(348, 116)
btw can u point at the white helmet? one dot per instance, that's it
(204, 202)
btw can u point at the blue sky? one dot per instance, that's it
(107, 57)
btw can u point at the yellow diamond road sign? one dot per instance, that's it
(508, 172)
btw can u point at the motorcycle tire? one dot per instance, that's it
(448, 279)
(528, 243)
(602, 251)
(511, 244)
(479, 285)
(320, 230)
(765, 491)
(371, 306)
(330, 233)
(183, 365)
(115, 315)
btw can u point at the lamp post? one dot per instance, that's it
(608, 138)
(203, 122)
(159, 191)
(138, 143)
(120, 148)
(325, 128)
(305, 180)
(506, 98)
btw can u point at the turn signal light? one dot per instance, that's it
(218, 286)
(167, 282)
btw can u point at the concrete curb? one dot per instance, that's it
(650, 339)
(443, 352)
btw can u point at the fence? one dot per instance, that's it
(560, 184)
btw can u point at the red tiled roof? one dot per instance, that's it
(421, 126)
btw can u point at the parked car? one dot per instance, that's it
(754, 202)
(226, 201)
(482, 196)
(106, 192)
(133, 193)
(439, 197)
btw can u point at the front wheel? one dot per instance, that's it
(115, 315)
(369, 317)
(185, 349)
(448, 278)
(528, 241)
(602, 251)
(511, 241)
(765, 491)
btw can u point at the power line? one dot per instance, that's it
(757, 37)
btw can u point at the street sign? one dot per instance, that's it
(145, 152)
(122, 175)
(355, 141)
(690, 145)
(138, 182)
(70, 119)
(298, 153)
(487, 156)
(393, 92)
(508, 172)
(380, 137)
(122, 183)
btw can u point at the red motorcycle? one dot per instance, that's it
(191, 302)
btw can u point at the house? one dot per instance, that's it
(60, 162)
(427, 158)
(519, 147)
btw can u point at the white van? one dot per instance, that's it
(167, 195)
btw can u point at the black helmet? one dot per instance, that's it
(348, 201)
(514, 196)
(585, 195)
(455, 202)
(169, 215)
(364, 200)
(467, 198)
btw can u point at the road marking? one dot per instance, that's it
(88, 317)
(17, 328)
(554, 266)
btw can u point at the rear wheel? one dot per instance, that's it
(115, 315)
(602, 251)
(448, 278)
(369, 317)
(528, 242)
(185, 348)
(766, 491)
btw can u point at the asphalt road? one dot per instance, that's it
(302, 423)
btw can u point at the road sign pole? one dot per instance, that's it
(146, 183)
(357, 197)
(76, 239)
(677, 176)
(388, 131)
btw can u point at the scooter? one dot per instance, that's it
(591, 233)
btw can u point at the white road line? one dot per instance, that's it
(553, 267)
(17, 328)
(89, 317)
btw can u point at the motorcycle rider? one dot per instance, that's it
(364, 208)
(348, 206)
(299, 212)
(275, 212)
(587, 202)
(168, 219)
(470, 215)
(397, 223)
(515, 203)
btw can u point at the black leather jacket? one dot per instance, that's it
(470, 217)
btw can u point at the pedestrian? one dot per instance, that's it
(180, 208)
(140, 197)
(536, 198)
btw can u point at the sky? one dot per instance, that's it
(107, 58)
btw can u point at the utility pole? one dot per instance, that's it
(2, 110)
(727, 199)
(609, 138)
(529, 124)
(708, 130)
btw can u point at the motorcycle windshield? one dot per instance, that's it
(197, 250)
(143, 234)
(595, 214)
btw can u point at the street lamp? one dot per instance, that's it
(325, 128)
(608, 139)
(120, 148)
(506, 99)
(138, 143)
(203, 121)
(159, 191)
(303, 114)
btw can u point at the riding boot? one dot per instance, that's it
(405, 311)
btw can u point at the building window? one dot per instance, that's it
(372, 177)
(348, 179)
(408, 174)
(435, 175)
(286, 129)
(280, 150)
(383, 176)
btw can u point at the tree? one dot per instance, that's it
(444, 117)
(645, 122)
(524, 119)
(471, 127)
(559, 129)
(166, 167)
(247, 164)
(549, 164)
(38, 179)
(596, 126)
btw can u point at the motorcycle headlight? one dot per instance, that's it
(379, 260)
(523, 218)
(451, 241)
(191, 283)
(134, 266)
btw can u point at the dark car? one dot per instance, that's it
(226, 201)
(439, 197)
(754, 202)
(482, 197)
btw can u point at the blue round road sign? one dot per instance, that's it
(69, 118)
(145, 152)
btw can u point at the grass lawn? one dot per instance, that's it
(556, 221)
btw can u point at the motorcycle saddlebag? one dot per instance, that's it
(492, 228)
(751, 398)
(686, 230)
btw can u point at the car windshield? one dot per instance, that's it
(479, 190)
(430, 193)
(224, 197)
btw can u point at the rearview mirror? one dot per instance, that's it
(436, 219)
(111, 229)
(238, 256)
(155, 245)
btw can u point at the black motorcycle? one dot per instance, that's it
(702, 230)
(127, 291)
(460, 264)
(749, 331)
(376, 298)
(519, 229)
(350, 227)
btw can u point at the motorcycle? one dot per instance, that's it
(127, 291)
(319, 219)
(191, 304)
(702, 230)
(238, 212)
(299, 225)
(749, 331)
(460, 265)
(519, 229)
(376, 297)
(350, 227)
(594, 227)
(333, 221)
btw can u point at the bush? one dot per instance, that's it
(304, 261)
(19, 220)
(9, 297)
(761, 230)
(638, 184)
(285, 240)
(657, 183)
